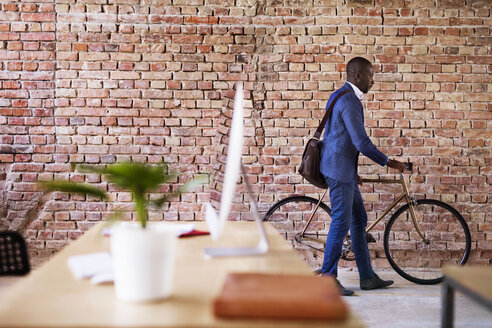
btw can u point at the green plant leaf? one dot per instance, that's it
(193, 183)
(141, 209)
(189, 186)
(160, 201)
(135, 177)
(75, 188)
(116, 216)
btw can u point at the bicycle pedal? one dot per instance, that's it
(370, 238)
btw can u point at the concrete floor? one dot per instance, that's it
(404, 304)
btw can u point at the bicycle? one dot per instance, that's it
(412, 247)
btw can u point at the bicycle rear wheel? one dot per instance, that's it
(290, 215)
(448, 236)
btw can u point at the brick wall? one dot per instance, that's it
(102, 81)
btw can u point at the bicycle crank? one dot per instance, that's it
(348, 251)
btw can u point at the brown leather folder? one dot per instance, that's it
(275, 296)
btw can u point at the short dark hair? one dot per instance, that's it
(357, 64)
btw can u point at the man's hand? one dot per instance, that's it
(400, 166)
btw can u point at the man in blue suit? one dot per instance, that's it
(344, 138)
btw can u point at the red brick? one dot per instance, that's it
(37, 36)
(6, 158)
(9, 36)
(10, 7)
(187, 39)
(38, 17)
(201, 20)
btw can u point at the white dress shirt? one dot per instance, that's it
(358, 93)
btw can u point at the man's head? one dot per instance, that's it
(360, 73)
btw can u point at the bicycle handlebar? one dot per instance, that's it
(409, 166)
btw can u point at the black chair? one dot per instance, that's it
(14, 260)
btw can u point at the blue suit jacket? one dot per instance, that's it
(344, 137)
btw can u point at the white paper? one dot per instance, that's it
(233, 164)
(102, 278)
(88, 265)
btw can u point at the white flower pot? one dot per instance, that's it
(143, 261)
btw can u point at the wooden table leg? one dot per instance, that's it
(447, 313)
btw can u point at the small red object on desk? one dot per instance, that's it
(194, 233)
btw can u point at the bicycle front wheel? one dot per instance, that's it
(290, 216)
(448, 241)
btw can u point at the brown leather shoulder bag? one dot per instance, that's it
(311, 157)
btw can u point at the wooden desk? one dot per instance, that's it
(473, 281)
(51, 297)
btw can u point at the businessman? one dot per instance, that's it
(344, 138)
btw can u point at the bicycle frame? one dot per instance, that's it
(404, 195)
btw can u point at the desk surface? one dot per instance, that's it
(473, 280)
(51, 297)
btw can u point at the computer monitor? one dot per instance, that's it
(233, 167)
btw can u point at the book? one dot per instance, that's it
(279, 296)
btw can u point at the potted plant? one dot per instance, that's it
(143, 254)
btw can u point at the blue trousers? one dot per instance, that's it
(347, 212)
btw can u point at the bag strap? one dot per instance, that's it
(321, 126)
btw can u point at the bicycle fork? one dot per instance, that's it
(411, 202)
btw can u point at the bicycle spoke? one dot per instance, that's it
(421, 261)
(290, 216)
(421, 250)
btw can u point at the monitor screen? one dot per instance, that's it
(233, 164)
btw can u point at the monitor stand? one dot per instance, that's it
(260, 249)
